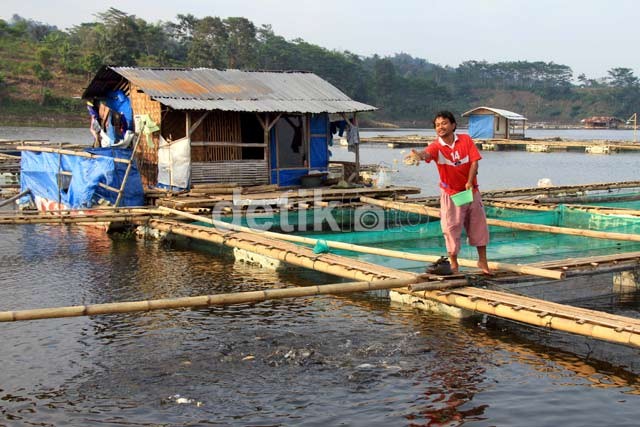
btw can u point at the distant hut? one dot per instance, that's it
(602, 122)
(214, 126)
(487, 123)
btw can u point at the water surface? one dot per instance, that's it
(322, 361)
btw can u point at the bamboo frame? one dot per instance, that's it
(522, 269)
(580, 321)
(203, 300)
(435, 212)
(14, 198)
(69, 152)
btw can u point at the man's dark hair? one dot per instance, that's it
(445, 115)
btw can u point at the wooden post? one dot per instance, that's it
(355, 123)
(350, 123)
(126, 172)
(266, 127)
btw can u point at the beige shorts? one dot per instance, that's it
(471, 217)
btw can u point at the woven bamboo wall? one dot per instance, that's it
(174, 125)
(147, 153)
(218, 126)
(243, 172)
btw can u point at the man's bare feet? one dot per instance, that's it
(453, 259)
(484, 266)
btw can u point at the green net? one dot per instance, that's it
(401, 231)
(507, 244)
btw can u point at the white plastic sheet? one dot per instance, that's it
(174, 162)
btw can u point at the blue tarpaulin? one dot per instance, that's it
(481, 126)
(318, 153)
(319, 144)
(42, 173)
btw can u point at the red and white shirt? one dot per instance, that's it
(454, 162)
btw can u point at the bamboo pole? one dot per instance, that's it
(68, 152)
(14, 198)
(545, 314)
(67, 217)
(561, 189)
(425, 210)
(587, 199)
(522, 269)
(438, 286)
(128, 170)
(518, 204)
(533, 206)
(605, 210)
(534, 312)
(565, 230)
(203, 300)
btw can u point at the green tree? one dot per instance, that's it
(384, 81)
(622, 78)
(44, 76)
(241, 43)
(209, 45)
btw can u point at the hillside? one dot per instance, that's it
(43, 72)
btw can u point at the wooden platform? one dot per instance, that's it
(531, 145)
(277, 196)
(554, 145)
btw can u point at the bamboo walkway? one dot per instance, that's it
(212, 196)
(93, 216)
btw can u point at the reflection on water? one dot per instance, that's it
(356, 360)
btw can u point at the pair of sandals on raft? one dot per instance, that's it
(442, 267)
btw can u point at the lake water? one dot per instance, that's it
(322, 361)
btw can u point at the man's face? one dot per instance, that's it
(444, 127)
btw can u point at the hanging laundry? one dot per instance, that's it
(353, 138)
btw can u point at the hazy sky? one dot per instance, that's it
(589, 36)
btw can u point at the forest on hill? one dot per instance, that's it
(43, 71)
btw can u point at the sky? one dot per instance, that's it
(589, 36)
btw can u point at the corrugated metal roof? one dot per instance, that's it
(231, 90)
(504, 113)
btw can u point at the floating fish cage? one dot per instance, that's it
(509, 245)
(327, 219)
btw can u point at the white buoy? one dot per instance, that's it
(544, 182)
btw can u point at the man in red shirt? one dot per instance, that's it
(457, 157)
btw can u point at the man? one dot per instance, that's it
(457, 157)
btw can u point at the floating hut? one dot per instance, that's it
(220, 126)
(488, 123)
(601, 122)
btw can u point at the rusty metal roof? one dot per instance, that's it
(229, 90)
